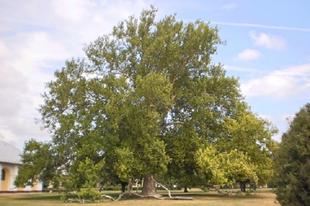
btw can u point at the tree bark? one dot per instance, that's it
(148, 188)
(243, 186)
(185, 189)
(124, 184)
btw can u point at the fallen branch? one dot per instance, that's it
(178, 198)
(111, 198)
(82, 201)
(122, 194)
(157, 196)
(108, 197)
(169, 194)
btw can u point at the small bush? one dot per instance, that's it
(249, 192)
(89, 194)
(66, 194)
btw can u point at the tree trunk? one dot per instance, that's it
(185, 189)
(148, 188)
(124, 184)
(243, 186)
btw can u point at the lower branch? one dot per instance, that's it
(156, 196)
(169, 194)
(171, 123)
(111, 198)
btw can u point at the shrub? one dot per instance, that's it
(89, 194)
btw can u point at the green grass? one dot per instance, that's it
(260, 197)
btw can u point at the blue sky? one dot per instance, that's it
(267, 47)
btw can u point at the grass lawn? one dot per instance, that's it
(260, 197)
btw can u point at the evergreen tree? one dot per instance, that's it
(292, 162)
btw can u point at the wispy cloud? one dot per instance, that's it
(242, 69)
(280, 83)
(268, 41)
(261, 26)
(3, 28)
(248, 54)
(228, 7)
(73, 10)
(280, 120)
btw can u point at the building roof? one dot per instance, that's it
(9, 154)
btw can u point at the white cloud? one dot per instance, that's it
(229, 7)
(261, 26)
(20, 126)
(286, 118)
(10, 103)
(280, 83)
(74, 10)
(36, 48)
(13, 84)
(280, 121)
(3, 28)
(121, 9)
(242, 69)
(3, 49)
(277, 120)
(268, 41)
(9, 76)
(43, 34)
(41, 46)
(248, 54)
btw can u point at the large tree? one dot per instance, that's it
(143, 103)
(292, 162)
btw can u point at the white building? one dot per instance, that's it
(9, 164)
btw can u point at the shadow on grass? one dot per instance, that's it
(38, 197)
(196, 195)
(216, 196)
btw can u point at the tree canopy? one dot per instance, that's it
(148, 101)
(292, 162)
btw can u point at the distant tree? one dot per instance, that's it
(242, 151)
(38, 164)
(292, 162)
(250, 135)
(143, 103)
(226, 168)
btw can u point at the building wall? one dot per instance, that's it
(7, 185)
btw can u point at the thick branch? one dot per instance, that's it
(111, 198)
(169, 194)
(181, 68)
(171, 123)
(157, 196)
